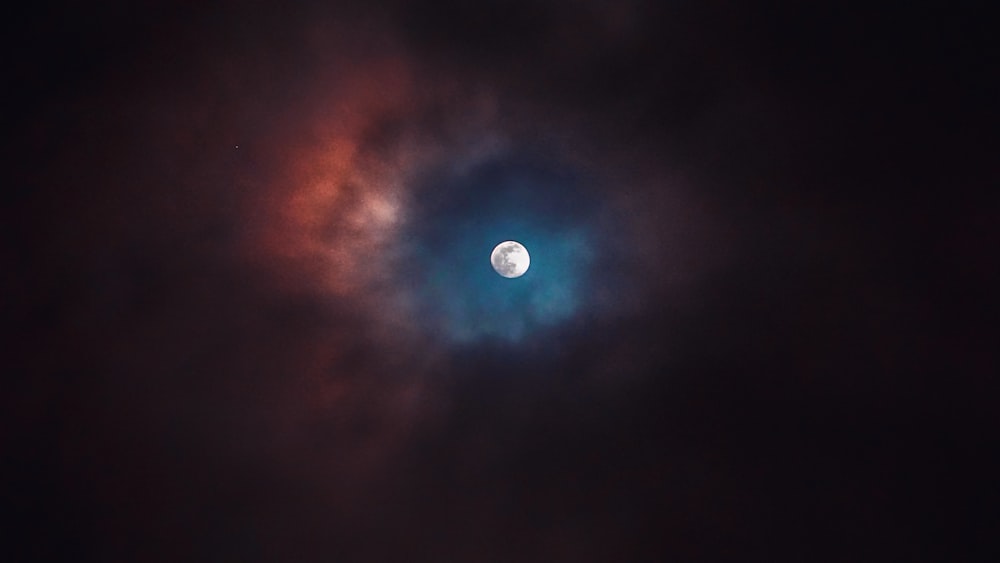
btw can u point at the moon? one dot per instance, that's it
(510, 259)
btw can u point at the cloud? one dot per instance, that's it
(297, 349)
(457, 219)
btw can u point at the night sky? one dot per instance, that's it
(249, 312)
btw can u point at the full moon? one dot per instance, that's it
(510, 259)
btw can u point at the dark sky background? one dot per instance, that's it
(249, 316)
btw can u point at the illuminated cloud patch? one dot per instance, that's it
(459, 216)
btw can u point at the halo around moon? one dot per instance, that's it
(510, 259)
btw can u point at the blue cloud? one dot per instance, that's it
(461, 217)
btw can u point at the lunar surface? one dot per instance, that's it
(510, 259)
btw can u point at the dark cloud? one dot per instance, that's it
(250, 313)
